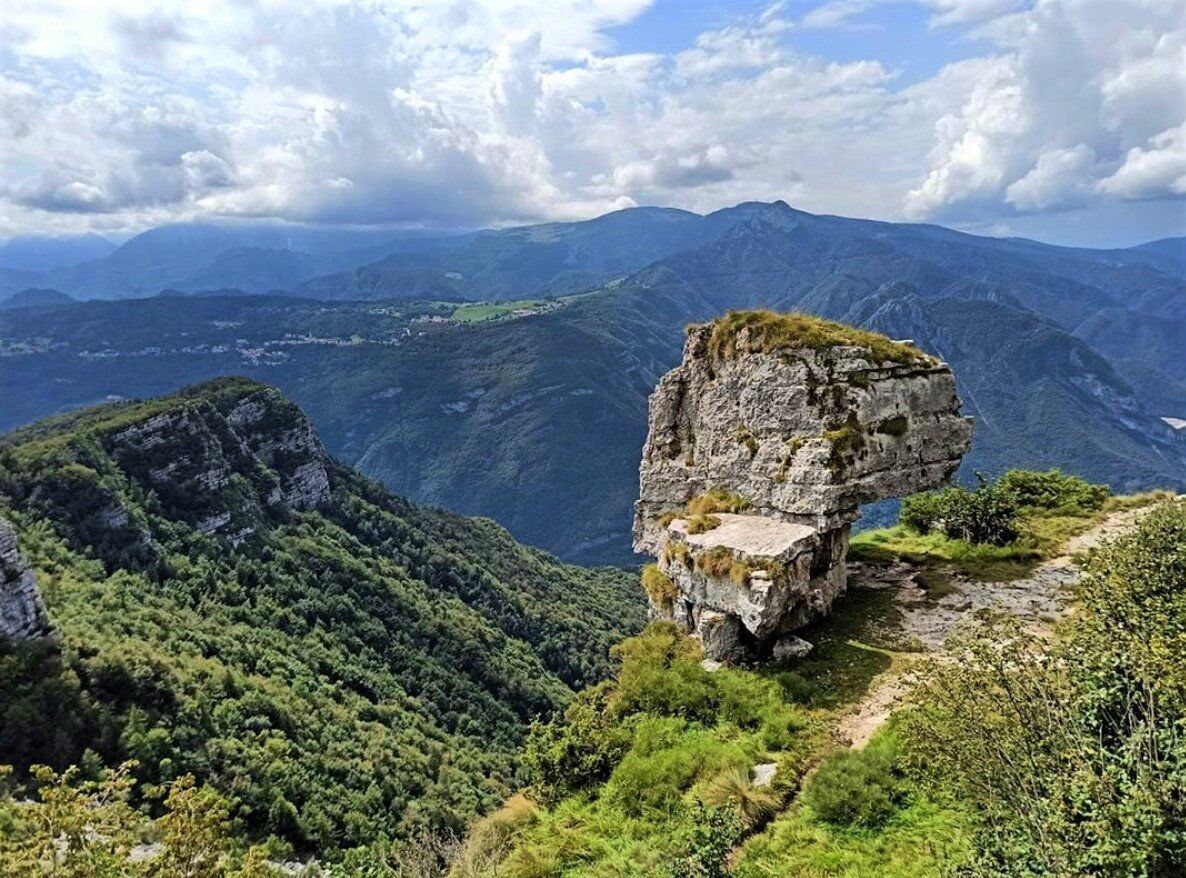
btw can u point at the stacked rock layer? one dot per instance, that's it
(762, 446)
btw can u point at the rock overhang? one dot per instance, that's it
(806, 434)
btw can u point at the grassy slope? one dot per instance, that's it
(643, 819)
(1043, 535)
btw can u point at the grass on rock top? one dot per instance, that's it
(765, 332)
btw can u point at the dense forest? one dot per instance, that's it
(259, 656)
(347, 667)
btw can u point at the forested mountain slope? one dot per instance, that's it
(1065, 357)
(230, 602)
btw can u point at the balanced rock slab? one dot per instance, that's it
(805, 420)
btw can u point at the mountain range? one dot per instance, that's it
(1065, 357)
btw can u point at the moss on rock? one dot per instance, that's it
(764, 332)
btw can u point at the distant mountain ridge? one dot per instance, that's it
(510, 263)
(35, 297)
(1065, 357)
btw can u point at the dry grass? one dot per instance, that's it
(761, 332)
(676, 552)
(698, 524)
(658, 585)
(734, 787)
(717, 500)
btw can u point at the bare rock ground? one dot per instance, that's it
(1039, 598)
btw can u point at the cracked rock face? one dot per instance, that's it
(22, 611)
(192, 456)
(805, 434)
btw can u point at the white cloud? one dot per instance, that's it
(122, 113)
(1153, 171)
(835, 13)
(1060, 178)
(1084, 101)
(947, 12)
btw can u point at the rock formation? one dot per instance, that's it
(22, 612)
(226, 457)
(763, 444)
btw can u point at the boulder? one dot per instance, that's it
(762, 446)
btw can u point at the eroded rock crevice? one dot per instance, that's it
(759, 455)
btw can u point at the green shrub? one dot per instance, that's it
(1070, 750)
(661, 674)
(667, 756)
(714, 833)
(922, 512)
(1053, 490)
(576, 750)
(857, 788)
(986, 515)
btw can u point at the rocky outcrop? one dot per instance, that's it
(225, 458)
(763, 444)
(22, 611)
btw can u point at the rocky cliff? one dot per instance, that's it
(22, 612)
(222, 457)
(762, 446)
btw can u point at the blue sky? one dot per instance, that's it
(1063, 120)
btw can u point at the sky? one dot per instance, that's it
(1061, 120)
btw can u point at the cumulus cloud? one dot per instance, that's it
(1084, 101)
(123, 113)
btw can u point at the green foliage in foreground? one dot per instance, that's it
(861, 814)
(73, 827)
(361, 672)
(650, 772)
(1073, 752)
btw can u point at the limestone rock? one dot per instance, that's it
(790, 647)
(222, 462)
(280, 435)
(804, 420)
(764, 773)
(22, 611)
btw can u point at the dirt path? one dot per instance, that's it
(1040, 598)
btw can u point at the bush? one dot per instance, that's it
(922, 512)
(1070, 750)
(1053, 490)
(661, 674)
(986, 515)
(572, 752)
(715, 831)
(857, 788)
